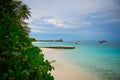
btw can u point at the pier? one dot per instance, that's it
(60, 47)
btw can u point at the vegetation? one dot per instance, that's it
(19, 59)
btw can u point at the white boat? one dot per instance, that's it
(77, 42)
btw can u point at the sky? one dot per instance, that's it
(74, 20)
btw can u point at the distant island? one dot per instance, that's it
(59, 40)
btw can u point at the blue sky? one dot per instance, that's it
(74, 19)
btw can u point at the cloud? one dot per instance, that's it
(56, 22)
(49, 21)
(41, 29)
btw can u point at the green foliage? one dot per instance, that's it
(27, 65)
(19, 59)
(32, 39)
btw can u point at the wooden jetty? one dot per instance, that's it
(60, 47)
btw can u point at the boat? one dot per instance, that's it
(102, 41)
(77, 42)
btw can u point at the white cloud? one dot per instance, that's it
(85, 24)
(56, 22)
(44, 29)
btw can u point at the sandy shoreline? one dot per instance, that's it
(64, 70)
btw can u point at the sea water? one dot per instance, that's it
(100, 60)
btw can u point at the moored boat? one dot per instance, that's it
(102, 41)
(77, 42)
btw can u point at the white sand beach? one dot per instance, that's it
(64, 70)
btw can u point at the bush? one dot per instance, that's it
(25, 65)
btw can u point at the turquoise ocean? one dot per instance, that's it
(100, 60)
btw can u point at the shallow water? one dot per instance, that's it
(101, 60)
